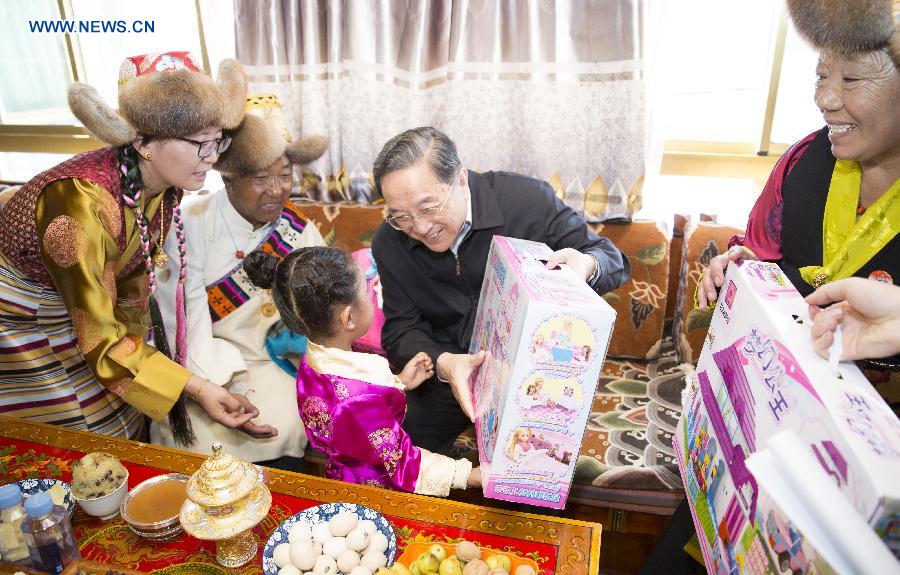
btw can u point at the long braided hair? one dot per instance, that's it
(132, 185)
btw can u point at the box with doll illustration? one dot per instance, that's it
(546, 333)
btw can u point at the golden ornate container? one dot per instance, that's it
(226, 499)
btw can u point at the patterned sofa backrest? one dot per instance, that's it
(702, 242)
(640, 304)
(346, 225)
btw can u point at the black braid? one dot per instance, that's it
(130, 173)
(296, 312)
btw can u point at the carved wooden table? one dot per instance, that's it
(30, 450)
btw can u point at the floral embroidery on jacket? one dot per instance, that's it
(341, 390)
(387, 445)
(315, 416)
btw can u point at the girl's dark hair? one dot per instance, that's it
(308, 285)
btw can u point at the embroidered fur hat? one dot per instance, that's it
(848, 26)
(165, 95)
(263, 137)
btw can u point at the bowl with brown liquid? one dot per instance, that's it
(151, 508)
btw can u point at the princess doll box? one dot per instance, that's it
(765, 377)
(546, 333)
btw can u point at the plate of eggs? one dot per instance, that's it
(330, 539)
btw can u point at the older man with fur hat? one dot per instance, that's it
(80, 246)
(234, 335)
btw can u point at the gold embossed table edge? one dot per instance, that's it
(577, 542)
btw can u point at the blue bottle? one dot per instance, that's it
(12, 540)
(48, 534)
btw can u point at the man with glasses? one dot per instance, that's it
(235, 337)
(431, 254)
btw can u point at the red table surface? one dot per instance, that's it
(422, 518)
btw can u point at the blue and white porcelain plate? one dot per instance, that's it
(31, 486)
(322, 513)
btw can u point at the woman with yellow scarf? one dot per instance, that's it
(831, 207)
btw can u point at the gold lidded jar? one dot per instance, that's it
(226, 498)
(222, 479)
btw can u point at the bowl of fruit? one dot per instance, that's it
(463, 558)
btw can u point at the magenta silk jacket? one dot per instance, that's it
(357, 425)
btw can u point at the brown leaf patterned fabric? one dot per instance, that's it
(640, 304)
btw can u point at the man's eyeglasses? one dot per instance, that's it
(272, 182)
(206, 148)
(405, 222)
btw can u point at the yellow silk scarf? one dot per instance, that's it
(847, 242)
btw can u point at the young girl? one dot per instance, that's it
(351, 404)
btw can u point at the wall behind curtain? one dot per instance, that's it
(550, 89)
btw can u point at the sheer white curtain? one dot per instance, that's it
(550, 89)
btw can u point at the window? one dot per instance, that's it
(796, 114)
(730, 199)
(19, 167)
(174, 28)
(735, 90)
(37, 67)
(713, 70)
(34, 66)
(718, 84)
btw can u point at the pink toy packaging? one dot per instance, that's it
(759, 377)
(546, 333)
(371, 341)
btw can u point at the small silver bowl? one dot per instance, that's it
(163, 530)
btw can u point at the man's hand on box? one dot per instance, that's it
(581, 264)
(417, 370)
(455, 368)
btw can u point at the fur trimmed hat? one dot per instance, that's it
(165, 95)
(848, 26)
(263, 137)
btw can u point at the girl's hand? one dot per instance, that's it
(417, 370)
(474, 478)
